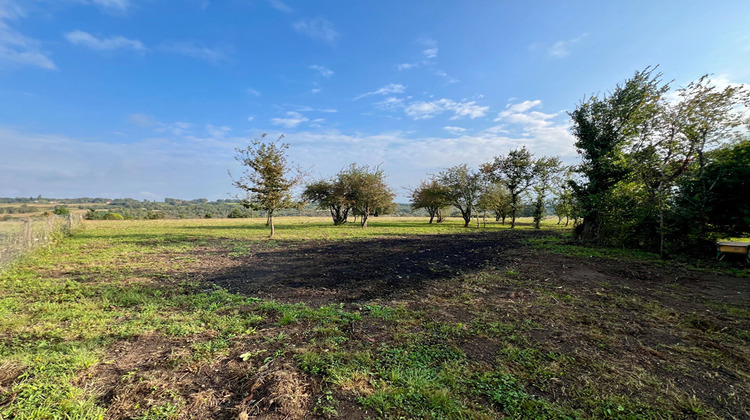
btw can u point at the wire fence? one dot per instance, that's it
(18, 236)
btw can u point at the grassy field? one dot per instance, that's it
(171, 319)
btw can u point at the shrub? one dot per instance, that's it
(62, 210)
(113, 216)
(236, 213)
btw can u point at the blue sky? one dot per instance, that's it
(148, 98)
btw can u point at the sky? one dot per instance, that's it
(148, 99)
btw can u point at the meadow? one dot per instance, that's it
(172, 319)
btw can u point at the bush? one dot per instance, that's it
(61, 210)
(113, 216)
(236, 213)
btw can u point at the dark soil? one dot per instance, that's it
(321, 272)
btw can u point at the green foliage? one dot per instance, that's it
(112, 216)
(237, 214)
(367, 191)
(268, 178)
(639, 149)
(431, 196)
(516, 172)
(463, 188)
(330, 194)
(61, 210)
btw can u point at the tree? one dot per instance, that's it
(563, 203)
(367, 191)
(330, 194)
(431, 196)
(463, 188)
(267, 178)
(516, 171)
(545, 170)
(603, 127)
(497, 199)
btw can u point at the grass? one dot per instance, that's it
(111, 323)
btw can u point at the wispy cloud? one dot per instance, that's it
(178, 128)
(325, 72)
(429, 53)
(217, 132)
(562, 49)
(318, 28)
(424, 110)
(78, 37)
(193, 50)
(454, 130)
(280, 6)
(16, 49)
(252, 92)
(529, 123)
(293, 119)
(112, 5)
(388, 89)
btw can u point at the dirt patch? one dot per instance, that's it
(322, 272)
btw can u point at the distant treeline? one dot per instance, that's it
(170, 208)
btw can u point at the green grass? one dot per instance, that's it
(63, 310)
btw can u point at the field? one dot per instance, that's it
(209, 319)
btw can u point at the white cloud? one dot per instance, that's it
(315, 90)
(120, 5)
(280, 6)
(103, 44)
(318, 28)
(60, 166)
(253, 92)
(454, 130)
(534, 125)
(430, 53)
(406, 66)
(292, 120)
(424, 110)
(391, 103)
(16, 49)
(325, 72)
(217, 132)
(190, 49)
(388, 89)
(562, 49)
(251, 117)
(178, 128)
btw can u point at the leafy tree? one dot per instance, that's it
(516, 172)
(497, 199)
(700, 216)
(267, 178)
(367, 191)
(431, 196)
(545, 170)
(463, 188)
(330, 194)
(563, 202)
(603, 126)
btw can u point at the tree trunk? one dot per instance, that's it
(439, 216)
(270, 222)
(432, 216)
